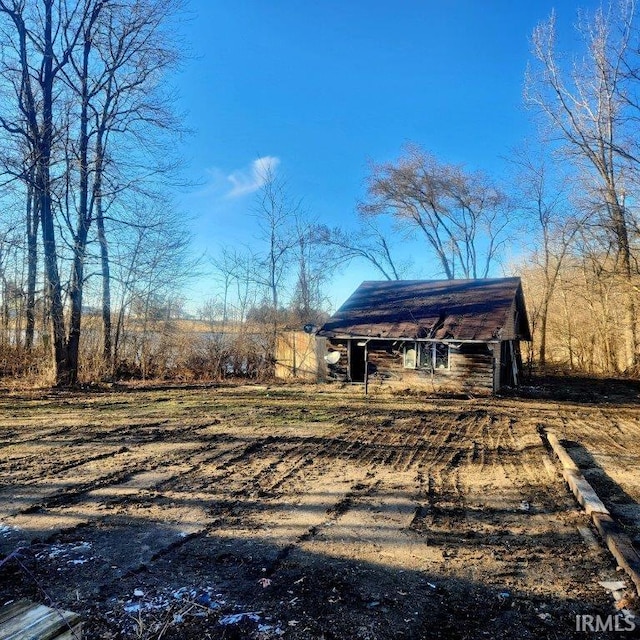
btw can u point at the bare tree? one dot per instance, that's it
(463, 216)
(82, 73)
(544, 198)
(585, 103)
(367, 243)
(314, 265)
(224, 266)
(11, 293)
(275, 213)
(152, 264)
(41, 43)
(127, 102)
(32, 223)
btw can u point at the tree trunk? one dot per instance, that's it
(619, 220)
(43, 185)
(84, 220)
(32, 264)
(544, 312)
(54, 290)
(75, 296)
(107, 347)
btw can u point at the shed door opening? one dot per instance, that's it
(356, 362)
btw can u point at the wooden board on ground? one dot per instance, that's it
(25, 620)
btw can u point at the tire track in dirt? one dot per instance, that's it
(602, 432)
(264, 475)
(55, 465)
(332, 515)
(489, 504)
(240, 468)
(177, 461)
(442, 462)
(370, 527)
(173, 519)
(296, 524)
(404, 445)
(513, 461)
(14, 438)
(488, 455)
(367, 445)
(517, 457)
(440, 458)
(63, 455)
(410, 443)
(333, 509)
(418, 449)
(246, 471)
(75, 502)
(300, 465)
(131, 437)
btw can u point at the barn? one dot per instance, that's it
(442, 335)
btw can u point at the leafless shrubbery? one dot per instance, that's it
(17, 362)
(181, 351)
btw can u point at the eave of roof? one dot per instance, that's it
(336, 336)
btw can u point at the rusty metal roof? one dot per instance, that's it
(431, 309)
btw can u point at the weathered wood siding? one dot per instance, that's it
(471, 366)
(340, 370)
(509, 330)
(470, 369)
(513, 328)
(300, 356)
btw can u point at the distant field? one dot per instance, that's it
(308, 512)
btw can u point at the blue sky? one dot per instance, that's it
(318, 89)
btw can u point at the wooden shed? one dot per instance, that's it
(443, 335)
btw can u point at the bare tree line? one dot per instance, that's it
(583, 275)
(569, 209)
(83, 122)
(83, 119)
(94, 257)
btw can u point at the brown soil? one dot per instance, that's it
(312, 512)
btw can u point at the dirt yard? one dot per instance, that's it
(312, 512)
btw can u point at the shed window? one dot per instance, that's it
(426, 355)
(410, 357)
(440, 355)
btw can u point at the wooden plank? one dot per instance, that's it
(12, 609)
(581, 489)
(560, 451)
(28, 621)
(24, 619)
(584, 492)
(619, 545)
(617, 541)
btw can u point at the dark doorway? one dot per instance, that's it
(510, 363)
(356, 362)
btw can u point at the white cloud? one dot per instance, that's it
(250, 179)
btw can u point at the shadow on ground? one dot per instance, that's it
(622, 506)
(216, 587)
(576, 388)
